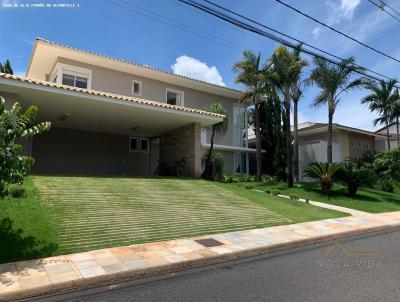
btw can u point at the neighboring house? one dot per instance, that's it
(347, 143)
(111, 116)
(394, 143)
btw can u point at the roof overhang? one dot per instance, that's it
(324, 129)
(100, 113)
(45, 54)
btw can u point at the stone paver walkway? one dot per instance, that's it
(83, 268)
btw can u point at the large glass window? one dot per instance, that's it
(75, 81)
(174, 97)
(239, 126)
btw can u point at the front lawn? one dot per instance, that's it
(368, 200)
(74, 214)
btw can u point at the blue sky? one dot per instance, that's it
(201, 46)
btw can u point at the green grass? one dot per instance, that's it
(368, 200)
(74, 214)
(26, 229)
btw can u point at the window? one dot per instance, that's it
(72, 76)
(134, 144)
(174, 97)
(136, 87)
(138, 144)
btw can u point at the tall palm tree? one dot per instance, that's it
(285, 73)
(219, 128)
(6, 67)
(333, 80)
(381, 100)
(296, 92)
(253, 74)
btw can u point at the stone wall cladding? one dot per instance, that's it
(182, 142)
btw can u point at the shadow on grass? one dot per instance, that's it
(15, 246)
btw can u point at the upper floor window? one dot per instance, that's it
(175, 97)
(72, 76)
(136, 87)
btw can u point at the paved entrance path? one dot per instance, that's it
(61, 272)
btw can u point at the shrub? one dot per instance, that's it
(249, 187)
(16, 124)
(388, 162)
(16, 190)
(356, 176)
(325, 172)
(217, 166)
(275, 192)
(387, 184)
(367, 157)
(294, 196)
(268, 191)
(267, 178)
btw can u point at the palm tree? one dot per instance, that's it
(219, 128)
(6, 67)
(285, 74)
(333, 80)
(382, 100)
(296, 92)
(253, 74)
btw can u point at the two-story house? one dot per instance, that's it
(112, 116)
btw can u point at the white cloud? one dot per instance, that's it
(347, 8)
(193, 68)
(342, 10)
(316, 32)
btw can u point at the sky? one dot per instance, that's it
(172, 36)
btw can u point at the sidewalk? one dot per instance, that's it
(34, 277)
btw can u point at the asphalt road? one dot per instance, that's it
(364, 268)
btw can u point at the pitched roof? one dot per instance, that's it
(106, 94)
(320, 127)
(129, 62)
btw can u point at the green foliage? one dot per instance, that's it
(388, 163)
(355, 176)
(16, 124)
(212, 163)
(268, 178)
(249, 187)
(6, 67)
(325, 172)
(275, 192)
(272, 136)
(16, 190)
(294, 196)
(387, 184)
(367, 157)
(268, 191)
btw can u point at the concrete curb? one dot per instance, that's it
(164, 269)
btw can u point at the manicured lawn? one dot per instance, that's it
(369, 200)
(83, 213)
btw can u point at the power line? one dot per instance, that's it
(382, 7)
(250, 28)
(176, 24)
(338, 31)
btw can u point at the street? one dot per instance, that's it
(363, 268)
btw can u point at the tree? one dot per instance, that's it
(333, 80)
(253, 74)
(272, 135)
(286, 71)
(325, 172)
(296, 92)
(16, 124)
(216, 129)
(382, 100)
(356, 175)
(6, 67)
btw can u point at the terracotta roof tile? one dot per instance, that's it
(109, 95)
